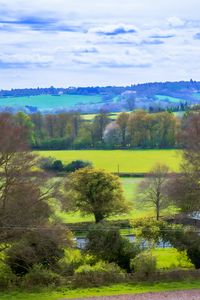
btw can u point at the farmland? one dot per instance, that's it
(124, 161)
(138, 161)
(48, 102)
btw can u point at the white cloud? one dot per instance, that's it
(116, 29)
(176, 22)
(97, 42)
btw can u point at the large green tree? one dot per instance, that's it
(96, 192)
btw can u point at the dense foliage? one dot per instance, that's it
(96, 192)
(138, 129)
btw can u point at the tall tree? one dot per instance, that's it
(95, 192)
(99, 124)
(184, 189)
(122, 122)
(112, 136)
(23, 190)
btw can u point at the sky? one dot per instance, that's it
(98, 42)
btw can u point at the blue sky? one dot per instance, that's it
(90, 42)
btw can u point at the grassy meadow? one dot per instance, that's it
(49, 102)
(124, 161)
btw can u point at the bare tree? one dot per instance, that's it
(151, 190)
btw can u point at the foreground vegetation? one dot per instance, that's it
(118, 289)
(38, 250)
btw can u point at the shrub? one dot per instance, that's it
(108, 244)
(72, 260)
(57, 166)
(43, 247)
(76, 165)
(38, 276)
(144, 264)
(7, 278)
(99, 274)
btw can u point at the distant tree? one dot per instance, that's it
(151, 190)
(95, 192)
(24, 121)
(98, 126)
(84, 138)
(138, 129)
(129, 97)
(39, 130)
(112, 136)
(122, 121)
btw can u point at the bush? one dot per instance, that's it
(38, 276)
(7, 278)
(144, 264)
(57, 166)
(76, 165)
(72, 260)
(100, 274)
(43, 247)
(108, 245)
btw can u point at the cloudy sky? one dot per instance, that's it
(98, 42)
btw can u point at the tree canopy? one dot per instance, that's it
(96, 192)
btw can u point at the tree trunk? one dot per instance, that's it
(98, 217)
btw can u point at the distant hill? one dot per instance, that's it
(151, 96)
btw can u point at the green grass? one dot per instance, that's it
(48, 102)
(169, 99)
(171, 258)
(128, 161)
(119, 289)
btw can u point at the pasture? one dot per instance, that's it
(122, 161)
(48, 102)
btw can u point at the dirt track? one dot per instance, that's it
(179, 295)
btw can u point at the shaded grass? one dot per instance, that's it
(119, 289)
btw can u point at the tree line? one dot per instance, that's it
(136, 130)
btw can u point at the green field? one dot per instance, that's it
(118, 289)
(112, 116)
(169, 99)
(127, 161)
(49, 102)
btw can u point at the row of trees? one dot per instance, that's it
(70, 131)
